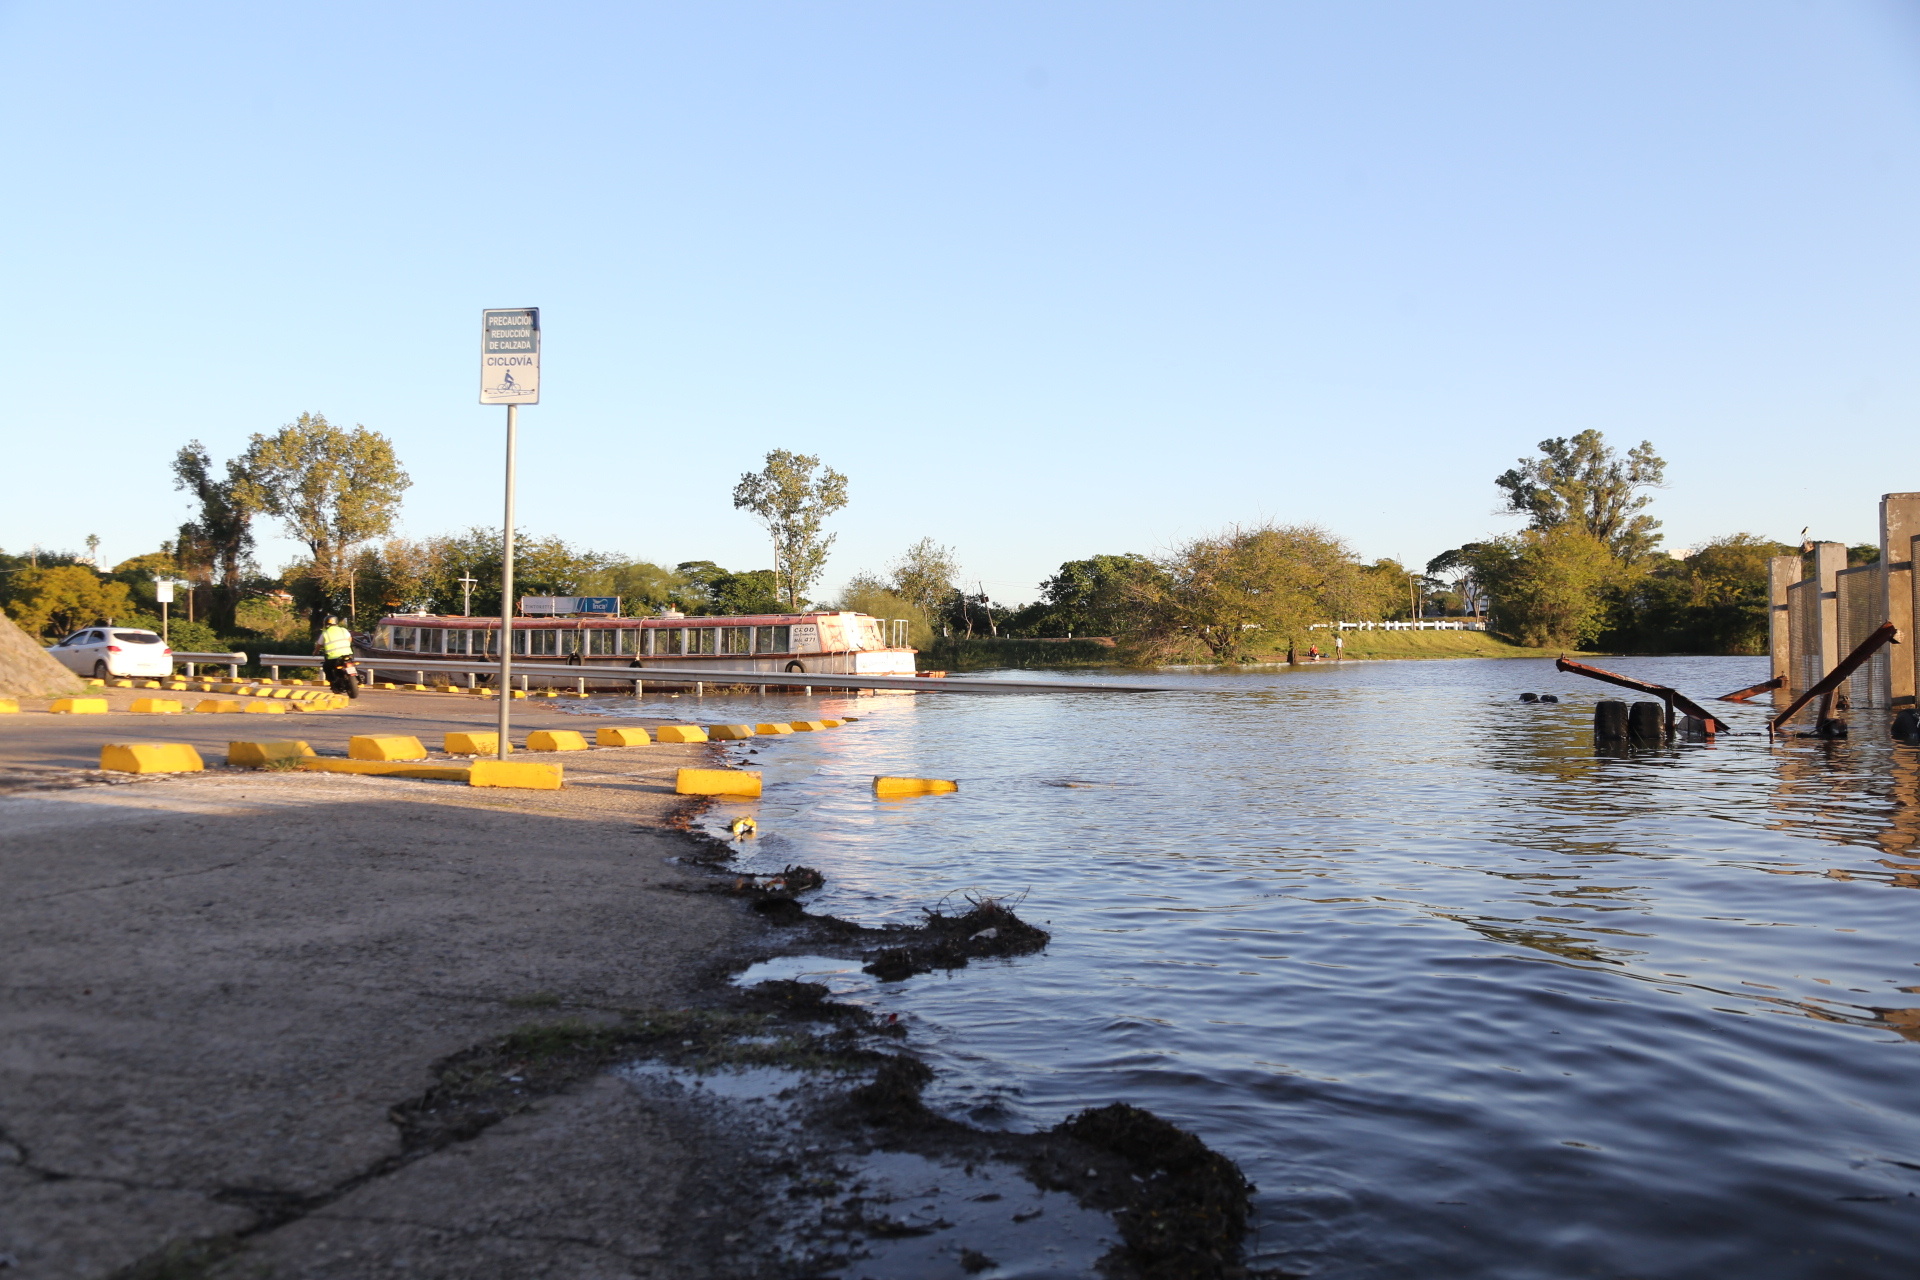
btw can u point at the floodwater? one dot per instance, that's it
(1462, 996)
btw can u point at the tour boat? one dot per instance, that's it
(846, 644)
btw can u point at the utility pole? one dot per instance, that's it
(466, 596)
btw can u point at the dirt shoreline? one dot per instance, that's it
(298, 1025)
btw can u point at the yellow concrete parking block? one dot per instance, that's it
(389, 769)
(255, 755)
(79, 706)
(218, 706)
(384, 746)
(150, 757)
(555, 740)
(729, 732)
(890, 788)
(717, 782)
(260, 707)
(526, 775)
(809, 726)
(679, 733)
(156, 706)
(769, 730)
(634, 737)
(472, 744)
(9, 706)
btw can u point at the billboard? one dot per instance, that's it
(555, 606)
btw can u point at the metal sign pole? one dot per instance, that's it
(509, 375)
(506, 587)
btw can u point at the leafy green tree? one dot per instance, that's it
(924, 576)
(57, 599)
(875, 596)
(644, 587)
(1713, 601)
(793, 503)
(334, 489)
(216, 546)
(1549, 588)
(1244, 591)
(1581, 482)
(1091, 597)
(964, 613)
(719, 591)
(1458, 564)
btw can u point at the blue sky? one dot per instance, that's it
(1044, 279)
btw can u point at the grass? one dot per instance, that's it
(977, 653)
(1430, 644)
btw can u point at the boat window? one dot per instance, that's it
(520, 640)
(771, 639)
(403, 639)
(633, 639)
(431, 638)
(707, 636)
(673, 638)
(457, 641)
(602, 641)
(735, 639)
(545, 643)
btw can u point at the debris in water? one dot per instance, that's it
(949, 942)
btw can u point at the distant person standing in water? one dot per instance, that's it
(1339, 648)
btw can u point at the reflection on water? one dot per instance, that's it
(1464, 997)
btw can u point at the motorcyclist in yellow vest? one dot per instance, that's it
(336, 651)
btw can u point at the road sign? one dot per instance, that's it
(163, 590)
(510, 356)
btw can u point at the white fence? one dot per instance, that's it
(1429, 624)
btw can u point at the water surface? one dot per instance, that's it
(1462, 996)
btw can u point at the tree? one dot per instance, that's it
(1549, 588)
(718, 591)
(1244, 591)
(62, 598)
(333, 489)
(794, 505)
(924, 575)
(218, 543)
(875, 596)
(1091, 597)
(645, 587)
(1580, 482)
(1459, 563)
(1713, 601)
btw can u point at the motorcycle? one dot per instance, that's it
(344, 677)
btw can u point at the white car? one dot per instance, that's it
(115, 651)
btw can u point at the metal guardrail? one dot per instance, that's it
(700, 677)
(231, 661)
